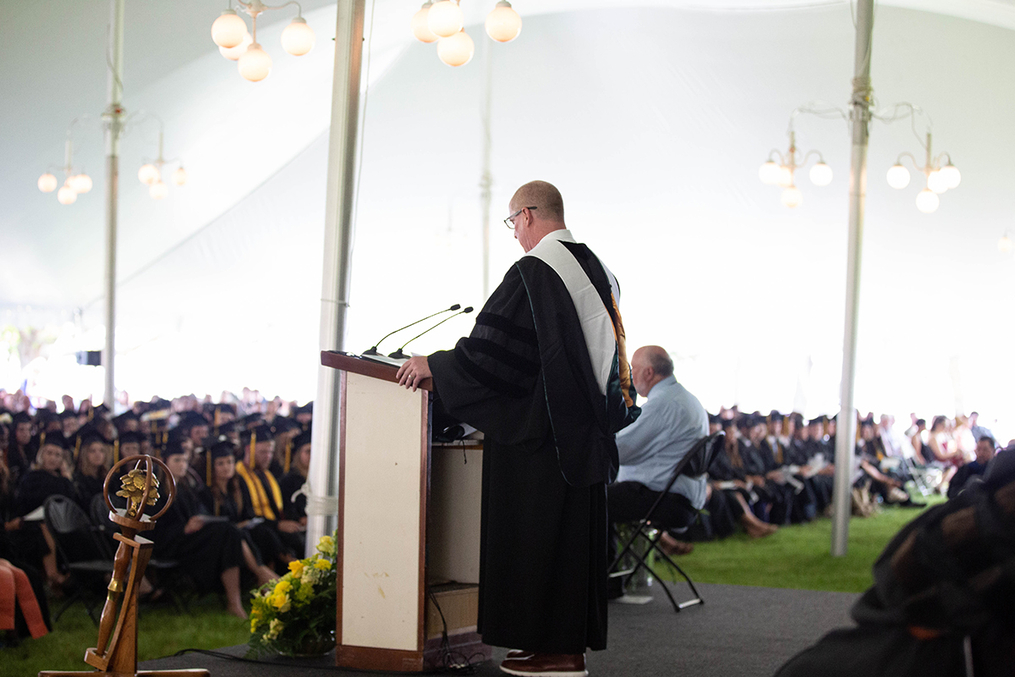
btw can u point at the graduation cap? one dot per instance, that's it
(775, 416)
(190, 419)
(282, 424)
(260, 433)
(222, 448)
(714, 418)
(22, 417)
(250, 421)
(101, 410)
(817, 421)
(45, 416)
(173, 448)
(123, 419)
(131, 437)
(87, 434)
(54, 438)
(68, 413)
(302, 440)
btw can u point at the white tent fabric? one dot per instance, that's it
(652, 118)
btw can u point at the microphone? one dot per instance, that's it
(373, 351)
(399, 355)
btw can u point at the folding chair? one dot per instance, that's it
(82, 550)
(694, 464)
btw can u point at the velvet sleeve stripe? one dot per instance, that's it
(487, 379)
(505, 325)
(501, 354)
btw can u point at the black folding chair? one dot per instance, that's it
(83, 551)
(650, 529)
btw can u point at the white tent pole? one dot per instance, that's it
(340, 197)
(846, 427)
(113, 123)
(486, 180)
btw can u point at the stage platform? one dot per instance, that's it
(740, 631)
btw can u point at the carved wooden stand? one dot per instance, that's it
(115, 652)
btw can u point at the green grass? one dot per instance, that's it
(799, 556)
(794, 557)
(162, 631)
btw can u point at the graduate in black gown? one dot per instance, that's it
(545, 377)
(19, 457)
(91, 467)
(211, 549)
(48, 476)
(296, 510)
(279, 539)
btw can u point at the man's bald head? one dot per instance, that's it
(544, 197)
(649, 366)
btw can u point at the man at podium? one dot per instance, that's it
(545, 377)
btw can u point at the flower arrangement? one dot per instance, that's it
(295, 615)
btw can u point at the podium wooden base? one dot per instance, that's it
(192, 672)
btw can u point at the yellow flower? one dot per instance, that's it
(322, 564)
(296, 568)
(282, 587)
(326, 545)
(253, 624)
(280, 602)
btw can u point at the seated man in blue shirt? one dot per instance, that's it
(672, 420)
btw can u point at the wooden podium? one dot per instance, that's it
(408, 527)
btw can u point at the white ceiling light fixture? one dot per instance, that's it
(780, 169)
(235, 43)
(76, 181)
(443, 22)
(1005, 245)
(941, 176)
(150, 173)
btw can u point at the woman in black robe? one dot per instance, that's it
(729, 500)
(296, 510)
(91, 467)
(211, 551)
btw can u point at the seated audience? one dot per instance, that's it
(986, 448)
(293, 481)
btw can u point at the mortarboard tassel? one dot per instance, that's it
(116, 451)
(288, 453)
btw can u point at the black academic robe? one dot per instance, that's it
(88, 488)
(524, 378)
(207, 552)
(276, 546)
(290, 484)
(38, 485)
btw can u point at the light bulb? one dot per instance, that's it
(445, 19)
(821, 174)
(927, 201)
(420, 29)
(228, 29)
(769, 173)
(180, 176)
(1004, 245)
(148, 174)
(456, 50)
(158, 190)
(298, 37)
(785, 177)
(503, 24)
(936, 182)
(950, 174)
(792, 197)
(47, 183)
(66, 195)
(898, 176)
(255, 64)
(234, 53)
(80, 183)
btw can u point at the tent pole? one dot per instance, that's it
(846, 428)
(113, 124)
(340, 196)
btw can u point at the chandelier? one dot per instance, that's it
(75, 183)
(443, 22)
(150, 173)
(236, 43)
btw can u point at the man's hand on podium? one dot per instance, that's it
(412, 372)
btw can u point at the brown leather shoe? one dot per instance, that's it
(546, 665)
(519, 653)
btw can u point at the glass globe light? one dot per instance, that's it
(47, 183)
(927, 201)
(66, 195)
(821, 174)
(898, 176)
(792, 197)
(936, 182)
(158, 190)
(951, 176)
(785, 177)
(234, 53)
(769, 173)
(503, 24)
(228, 29)
(298, 37)
(420, 29)
(255, 64)
(148, 174)
(80, 183)
(1004, 245)
(456, 50)
(180, 176)
(445, 19)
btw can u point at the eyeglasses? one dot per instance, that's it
(510, 221)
